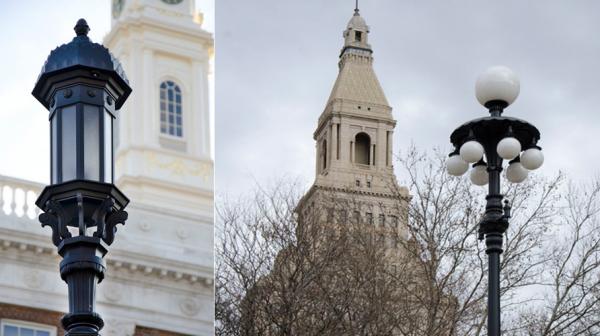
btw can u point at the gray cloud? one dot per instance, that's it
(277, 61)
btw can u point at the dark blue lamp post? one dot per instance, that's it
(499, 138)
(82, 85)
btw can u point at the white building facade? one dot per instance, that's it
(159, 278)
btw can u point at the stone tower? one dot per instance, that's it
(354, 139)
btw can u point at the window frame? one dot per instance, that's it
(167, 134)
(52, 330)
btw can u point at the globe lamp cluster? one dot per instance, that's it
(497, 85)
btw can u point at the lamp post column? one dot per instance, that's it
(499, 138)
(493, 226)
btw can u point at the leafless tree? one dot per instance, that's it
(276, 277)
(568, 302)
(443, 224)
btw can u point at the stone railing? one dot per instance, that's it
(17, 197)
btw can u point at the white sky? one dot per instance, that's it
(30, 30)
(278, 61)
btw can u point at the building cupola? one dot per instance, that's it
(356, 36)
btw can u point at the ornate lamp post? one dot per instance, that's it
(82, 85)
(499, 138)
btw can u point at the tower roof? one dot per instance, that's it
(357, 22)
(356, 80)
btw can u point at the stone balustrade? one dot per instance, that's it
(17, 197)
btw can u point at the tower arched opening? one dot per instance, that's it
(362, 144)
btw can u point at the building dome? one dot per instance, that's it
(357, 22)
(81, 52)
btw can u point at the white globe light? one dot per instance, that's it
(479, 175)
(471, 151)
(508, 148)
(532, 158)
(497, 83)
(456, 166)
(515, 172)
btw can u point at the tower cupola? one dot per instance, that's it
(356, 36)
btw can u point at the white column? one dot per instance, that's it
(371, 152)
(352, 151)
(199, 114)
(149, 102)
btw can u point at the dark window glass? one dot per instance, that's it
(171, 104)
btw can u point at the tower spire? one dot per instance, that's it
(356, 8)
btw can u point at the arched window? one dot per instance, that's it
(170, 109)
(362, 144)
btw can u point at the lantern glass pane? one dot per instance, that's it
(54, 149)
(91, 143)
(108, 148)
(69, 143)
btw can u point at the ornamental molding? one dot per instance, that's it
(189, 306)
(115, 327)
(394, 196)
(145, 225)
(145, 269)
(179, 167)
(33, 279)
(113, 292)
(182, 232)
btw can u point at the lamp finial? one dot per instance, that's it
(82, 28)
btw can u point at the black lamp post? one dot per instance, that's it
(499, 138)
(82, 85)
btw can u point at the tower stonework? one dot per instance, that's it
(354, 142)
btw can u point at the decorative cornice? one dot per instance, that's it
(361, 192)
(160, 272)
(314, 188)
(148, 270)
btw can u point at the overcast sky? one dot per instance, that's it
(277, 62)
(29, 30)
